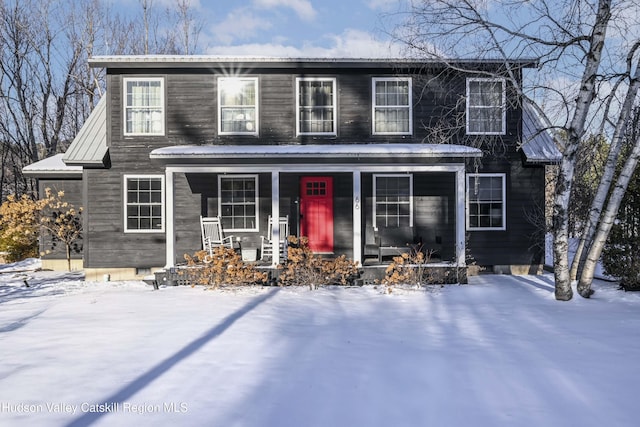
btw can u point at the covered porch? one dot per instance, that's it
(432, 213)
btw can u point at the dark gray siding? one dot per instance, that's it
(72, 189)
(191, 118)
(523, 241)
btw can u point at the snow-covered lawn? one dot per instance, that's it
(498, 352)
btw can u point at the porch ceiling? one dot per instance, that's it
(195, 153)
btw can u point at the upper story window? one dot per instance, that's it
(316, 106)
(392, 108)
(144, 106)
(238, 202)
(392, 200)
(486, 106)
(144, 203)
(486, 206)
(238, 106)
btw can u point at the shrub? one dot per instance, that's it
(411, 269)
(224, 267)
(22, 218)
(621, 259)
(620, 256)
(19, 227)
(304, 268)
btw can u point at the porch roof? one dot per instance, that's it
(52, 167)
(342, 151)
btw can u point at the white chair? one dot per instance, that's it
(266, 250)
(213, 235)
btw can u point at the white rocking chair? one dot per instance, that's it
(266, 250)
(213, 234)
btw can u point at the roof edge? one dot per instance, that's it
(196, 61)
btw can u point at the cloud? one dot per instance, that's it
(349, 44)
(240, 24)
(302, 8)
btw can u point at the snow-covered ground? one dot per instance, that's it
(498, 352)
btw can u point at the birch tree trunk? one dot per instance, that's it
(607, 176)
(575, 132)
(606, 222)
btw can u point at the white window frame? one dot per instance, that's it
(126, 107)
(334, 106)
(375, 107)
(501, 81)
(126, 203)
(256, 199)
(504, 201)
(375, 196)
(231, 80)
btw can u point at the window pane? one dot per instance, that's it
(393, 201)
(316, 106)
(485, 107)
(238, 202)
(144, 106)
(391, 106)
(144, 203)
(486, 202)
(238, 105)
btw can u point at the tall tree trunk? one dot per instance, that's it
(563, 291)
(607, 175)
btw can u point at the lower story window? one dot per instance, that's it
(486, 202)
(144, 203)
(238, 198)
(393, 204)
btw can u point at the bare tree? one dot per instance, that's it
(47, 89)
(41, 56)
(579, 46)
(189, 27)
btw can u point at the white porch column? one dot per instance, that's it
(357, 217)
(275, 215)
(461, 222)
(170, 235)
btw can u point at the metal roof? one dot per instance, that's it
(52, 167)
(538, 143)
(89, 147)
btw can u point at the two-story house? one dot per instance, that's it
(351, 151)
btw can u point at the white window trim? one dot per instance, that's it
(504, 201)
(255, 83)
(503, 131)
(335, 105)
(392, 175)
(125, 204)
(374, 80)
(125, 106)
(256, 200)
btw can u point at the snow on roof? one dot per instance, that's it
(51, 166)
(538, 144)
(315, 150)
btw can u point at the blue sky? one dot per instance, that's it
(294, 28)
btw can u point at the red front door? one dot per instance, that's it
(316, 212)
